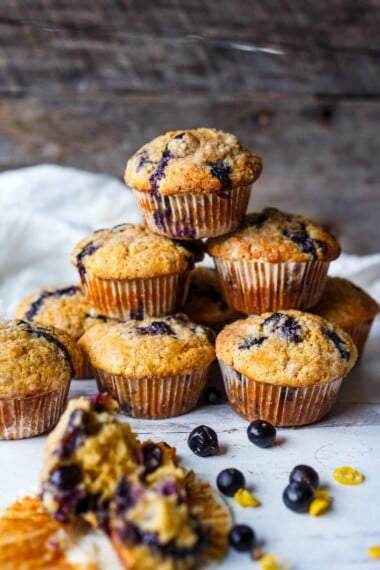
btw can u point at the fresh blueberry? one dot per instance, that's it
(241, 537)
(261, 433)
(304, 474)
(229, 481)
(203, 441)
(298, 496)
(212, 396)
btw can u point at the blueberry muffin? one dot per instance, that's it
(205, 304)
(284, 367)
(128, 272)
(274, 261)
(37, 364)
(65, 308)
(95, 468)
(194, 183)
(349, 307)
(153, 368)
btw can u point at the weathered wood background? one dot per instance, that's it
(86, 83)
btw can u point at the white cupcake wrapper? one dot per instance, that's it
(137, 298)
(194, 216)
(255, 287)
(153, 398)
(27, 417)
(279, 405)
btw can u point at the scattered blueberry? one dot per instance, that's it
(155, 328)
(203, 441)
(261, 433)
(229, 481)
(298, 496)
(66, 477)
(304, 474)
(241, 537)
(338, 343)
(143, 159)
(150, 455)
(212, 396)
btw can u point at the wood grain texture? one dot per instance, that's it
(141, 46)
(319, 156)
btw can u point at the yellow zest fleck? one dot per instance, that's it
(245, 499)
(257, 554)
(271, 562)
(374, 552)
(348, 476)
(321, 503)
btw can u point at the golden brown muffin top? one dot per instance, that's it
(35, 359)
(193, 161)
(205, 304)
(345, 304)
(288, 348)
(63, 307)
(275, 237)
(157, 347)
(131, 251)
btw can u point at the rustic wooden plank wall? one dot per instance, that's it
(86, 83)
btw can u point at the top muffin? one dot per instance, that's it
(275, 236)
(130, 251)
(192, 161)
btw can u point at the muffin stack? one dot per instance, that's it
(279, 363)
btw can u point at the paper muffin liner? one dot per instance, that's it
(27, 417)
(153, 398)
(255, 287)
(125, 299)
(279, 405)
(194, 216)
(86, 372)
(359, 334)
(213, 513)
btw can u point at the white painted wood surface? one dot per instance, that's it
(350, 435)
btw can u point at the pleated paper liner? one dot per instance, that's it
(194, 216)
(137, 298)
(27, 417)
(213, 513)
(359, 334)
(255, 287)
(279, 405)
(153, 398)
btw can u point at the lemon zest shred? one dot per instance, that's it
(348, 476)
(245, 499)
